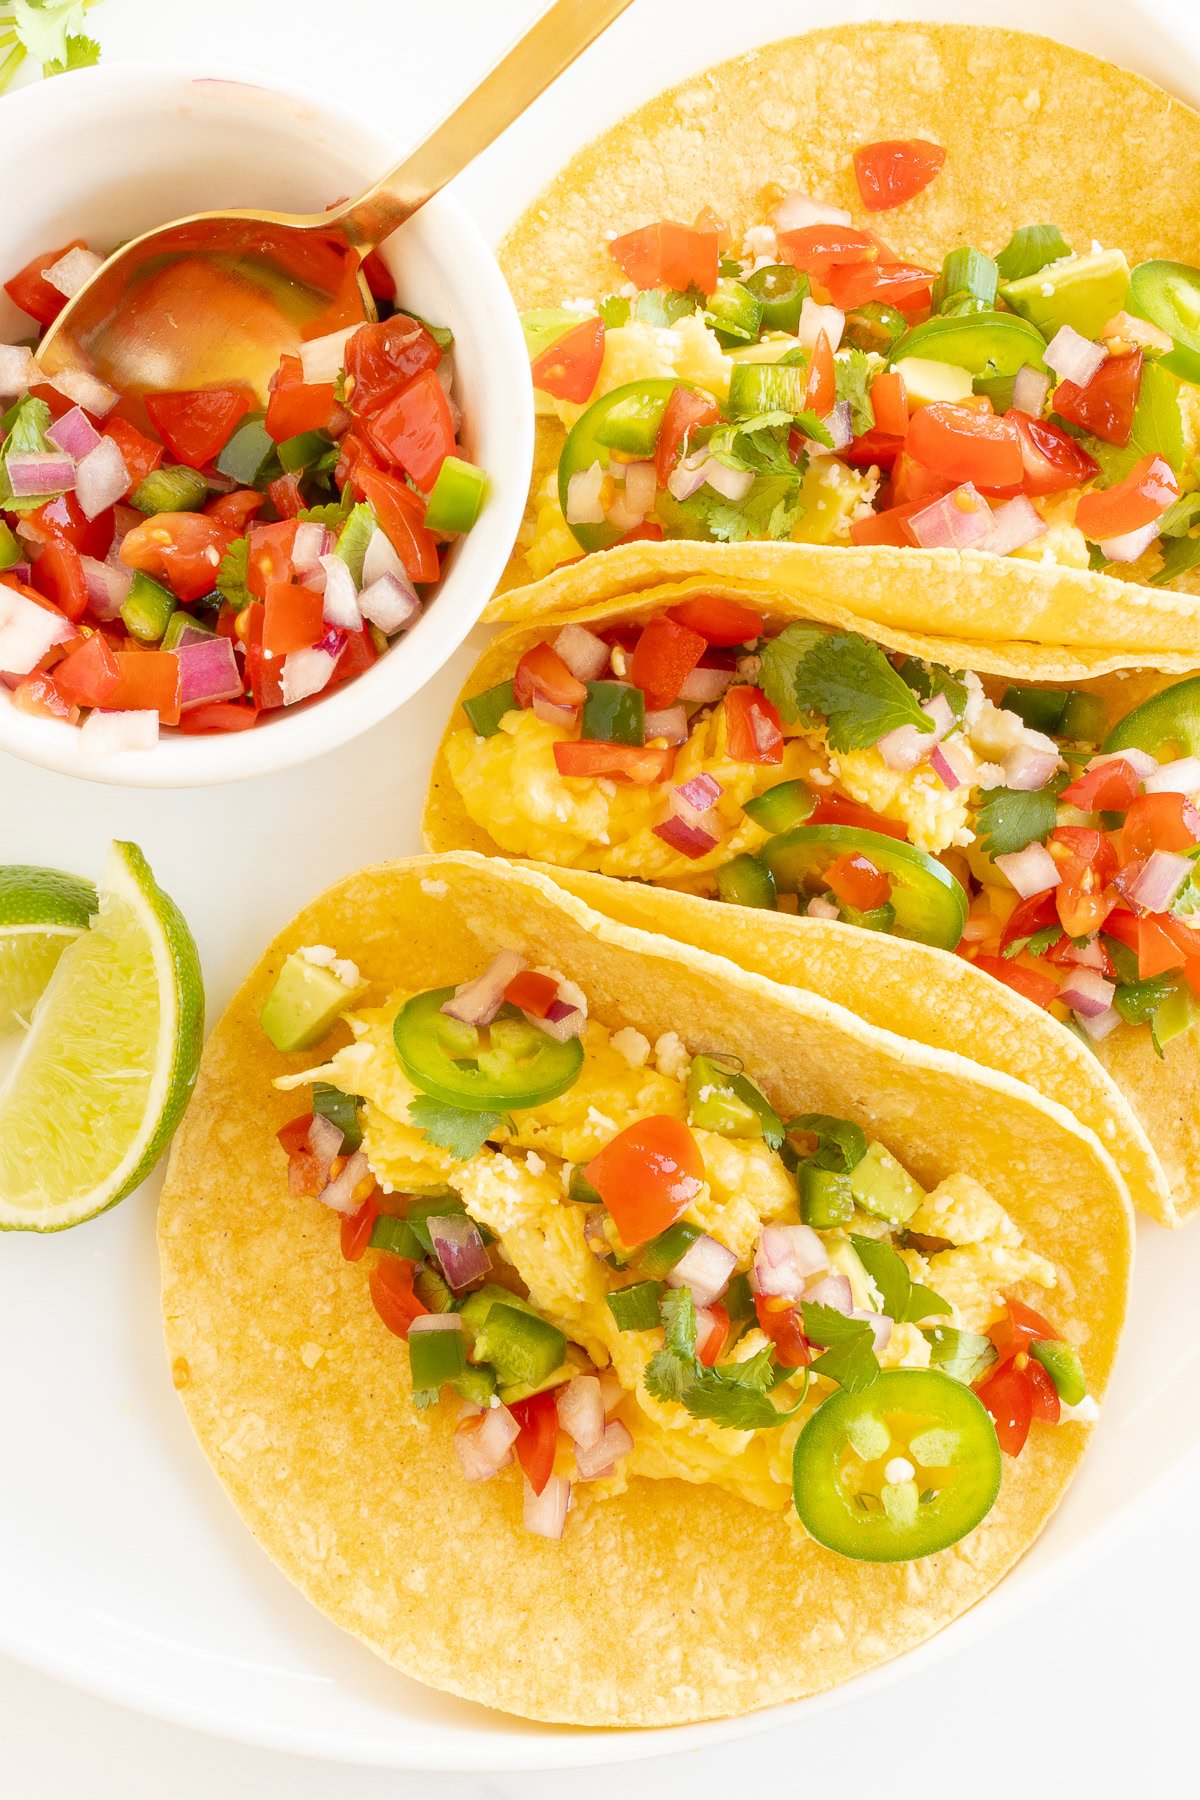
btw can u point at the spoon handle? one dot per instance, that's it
(551, 45)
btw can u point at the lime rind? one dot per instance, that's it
(33, 896)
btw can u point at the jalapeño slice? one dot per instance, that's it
(898, 1471)
(986, 343)
(1168, 294)
(930, 905)
(514, 1065)
(1168, 722)
(627, 421)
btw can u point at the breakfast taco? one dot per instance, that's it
(763, 328)
(605, 1333)
(1015, 826)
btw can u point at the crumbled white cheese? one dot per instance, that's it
(671, 1056)
(630, 1044)
(1086, 1413)
(320, 955)
(534, 1163)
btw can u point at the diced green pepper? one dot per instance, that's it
(787, 804)
(1061, 1362)
(1038, 707)
(660, 1255)
(523, 1348)
(735, 313)
(781, 292)
(173, 489)
(874, 326)
(341, 1110)
(433, 1290)
(300, 452)
(826, 1197)
(745, 881)
(1085, 718)
(635, 1308)
(876, 918)
(476, 1384)
(738, 1299)
(457, 497)
(437, 1353)
(147, 609)
(614, 713)
(397, 1237)
(722, 1099)
(486, 710)
(1138, 1001)
(248, 451)
(580, 1189)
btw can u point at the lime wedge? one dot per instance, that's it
(41, 912)
(102, 1078)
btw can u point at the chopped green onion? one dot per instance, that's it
(147, 609)
(635, 1308)
(967, 283)
(781, 292)
(341, 1110)
(173, 489)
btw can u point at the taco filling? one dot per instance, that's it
(1034, 830)
(790, 377)
(614, 1259)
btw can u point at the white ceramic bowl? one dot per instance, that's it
(127, 148)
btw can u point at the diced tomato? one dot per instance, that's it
(880, 448)
(89, 677)
(893, 171)
(39, 695)
(1087, 864)
(890, 403)
(710, 1345)
(542, 671)
(1105, 407)
(820, 386)
(906, 286)
(816, 249)
(355, 657)
(647, 1176)
(58, 574)
(570, 367)
(391, 1285)
(401, 516)
(295, 405)
(1041, 989)
(266, 677)
(1030, 916)
(353, 455)
(62, 519)
(1157, 951)
(285, 496)
(856, 882)
(887, 527)
(833, 809)
(1112, 787)
(1019, 1328)
(184, 550)
(754, 727)
(782, 1322)
(686, 411)
(141, 454)
(356, 1229)
(378, 277)
(718, 621)
(148, 681)
(649, 533)
(219, 715)
(532, 992)
(1158, 822)
(270, 556)
(415, 429)
(1142, 497)
(619, 762)
(382, 358)
(1053, 460)
(30, 290)
(236, 509)
(664, 657)
(196, 424)
(538, 1440)
(294, 1135)
(913, 485)
(294, 618)
(669, 255)
(962, 443)
(1008, 1396)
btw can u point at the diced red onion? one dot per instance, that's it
(585, 497)
(1179, 777)
(580, 1406)
(108, 587)
(338, 1195)
(563, 1021)
(1072, 357)
(445, 375)
(1030, 388)
(545, 1514)
(306, 672)
(1087, 993)
(611, 1391)
(459, 1248)
(1015, 524)
(641, 487)
(881, 1328)
(602, 1458)
(208, 671)
(703, 686)
(484, 1444)
(447, 1321)
(550, 713)
(815, 319)
(340, 607)
(108, 733)
(787, 1256)
(17, 370)
(586, 655)
(73, 270)
(325, 1141)
(820, 908)
(86, 390)
(671, 724)
(958, 521)
(1088, 955)
(390, 603)
(74, 434)
(323, 358)
(382, 558)
(731, 484)
(1160, 880)
(27, 632)
(796, 210)
(477, 1002)
(838, 424)
(942, 769)
(832, 1290)
(903, 748)
(690, 840)
(1130, 545)
(1028, 768)
(1099, 1027)
(311, 543)
(688, 476)
(34, 472)
(706, 1267)
(1141, 762)
(694, 798)
(101, 479)
(1030, 871)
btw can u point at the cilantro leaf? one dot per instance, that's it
(233, 572)
(1180, 524)
(668, 1377)
(81, 53)
(928, 679)
(961, 1354)
(1029, 249)
(615, 310)
(354, 537)
(678, 1311)
(904, 1299)
(1008, 819)
(1038, 944)
(733, 1395)
(853, 375)
(333, 516)
(849, 1358)
(453, 1128)
(781, 660)
(852, 685)
(841, 1145)
(51, 32)
(732, 1404)
(810, 426)
(664, 306)
(1157, 429)
(757, 445)
(422, 1398)
(26, 425)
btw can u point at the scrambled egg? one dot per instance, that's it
(936, 816)
(516, 1187)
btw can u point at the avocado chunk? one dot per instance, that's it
(926, 381)
(308, 995)
(1081, 291)
(882, 1187)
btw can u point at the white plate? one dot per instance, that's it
(122, 1566)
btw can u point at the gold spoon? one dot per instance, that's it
(219, 297)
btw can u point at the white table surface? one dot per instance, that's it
(1091, 1689)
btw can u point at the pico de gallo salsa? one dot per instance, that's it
(199, 562)
(794, 378)
(1050, 835)
(613, 1259)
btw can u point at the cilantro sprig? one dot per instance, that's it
(453, 1128)
(48, 31)
(733, 1395)
(1009, 818)
(849, 1357)
(905, 1301)
(849, 682)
